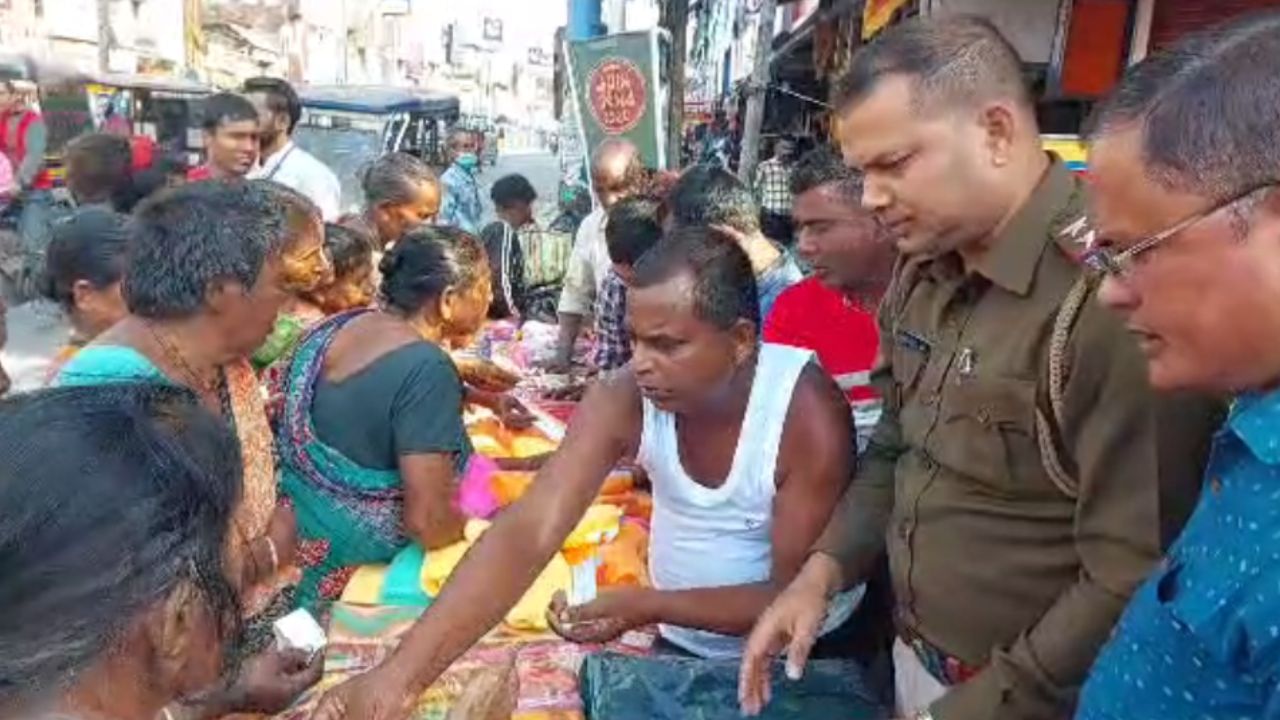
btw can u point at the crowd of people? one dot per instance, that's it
(928, 398)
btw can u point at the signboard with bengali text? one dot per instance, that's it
(615, 90)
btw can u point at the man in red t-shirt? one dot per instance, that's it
(833, 312)
(23, 141)
(230, 125)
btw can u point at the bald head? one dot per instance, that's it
(954, 63)
(617, 171)
(616, 157)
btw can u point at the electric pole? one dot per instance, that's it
(675, 19)
(759, 90)
(104, 35)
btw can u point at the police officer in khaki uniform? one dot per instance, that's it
(1023, 468)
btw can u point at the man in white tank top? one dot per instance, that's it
(749, 448)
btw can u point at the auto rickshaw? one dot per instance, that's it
(73, 103)
(347, 127)
(167, 110)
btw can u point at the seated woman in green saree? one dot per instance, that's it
(371, 438)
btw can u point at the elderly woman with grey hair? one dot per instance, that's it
(400, 193)
(211, 265)
(119, 597)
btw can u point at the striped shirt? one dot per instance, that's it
(844, 336)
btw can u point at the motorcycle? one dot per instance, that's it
(22, 260)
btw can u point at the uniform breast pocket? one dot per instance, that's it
(990, 433)
(1221, 606)
(910, 355)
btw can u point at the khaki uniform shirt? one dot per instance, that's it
(992, 562)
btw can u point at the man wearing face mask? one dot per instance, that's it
(1023, 476)
(461, 207)
(279, 111)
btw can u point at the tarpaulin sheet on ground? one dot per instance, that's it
(665, 687)
(547, 667)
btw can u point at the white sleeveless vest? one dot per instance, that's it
(704, 537)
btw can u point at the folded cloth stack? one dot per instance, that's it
(592, 551)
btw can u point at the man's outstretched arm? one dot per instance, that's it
(504, 562)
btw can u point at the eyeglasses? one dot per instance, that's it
(1105, 261)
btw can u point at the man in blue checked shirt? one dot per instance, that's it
(461, 206)
(633, 228)
(1186, 165)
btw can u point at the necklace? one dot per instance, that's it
(179, 361)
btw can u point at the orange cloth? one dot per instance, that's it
(624, 562)
(490, 438)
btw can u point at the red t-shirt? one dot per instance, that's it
(199, 173)
(143, 150)
(845, 338)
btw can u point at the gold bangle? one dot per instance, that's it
(275, 559)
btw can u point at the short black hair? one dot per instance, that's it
(1206, 109)
(282, 99)
(223, 108)
(824, 166)
(349, 247)
(152, 180)
(115, 497)
(724, 285)
(394, 178)
(708, 195)
(428, 260)
(100, 170)
(185, 239)
(634, 227)
(955, 61)
(512, 190)
(90, 245)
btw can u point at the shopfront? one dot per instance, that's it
(1171, 20)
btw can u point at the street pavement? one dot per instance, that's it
(37, 329)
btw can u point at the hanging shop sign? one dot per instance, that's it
(616, 92)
